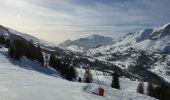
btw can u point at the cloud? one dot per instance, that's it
(64, 19)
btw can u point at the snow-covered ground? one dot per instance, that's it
(26, 80)
(105, 80)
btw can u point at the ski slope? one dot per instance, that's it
(26, 80)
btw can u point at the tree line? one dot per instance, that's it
(20, 47)
(160, 92)
(66, 70)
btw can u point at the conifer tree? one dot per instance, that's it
(46, 60)
(150, 89)
(71, 73)
(163, 93)
(39, 55)
(140, 88)
(20, 48)
(17, 49)
(11, 51)
(58, 64)
(7, 43)
(115, 81)
(31, 51)
(87, 76)
(64, 69)
(2, 39)
(52, 60)
(79, 79)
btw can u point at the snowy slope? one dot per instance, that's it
(76, 48)
(26, 80)
(106, 80)
(89, 42)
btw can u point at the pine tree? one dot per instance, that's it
(79, 79)
(150, 89)
(2, 40)
(140, 88)
(163, 92)
(20, 48)
(39, 55)
(87, 76)
(46, 59)
(52, 61)
(7, 43)
(58, 64)
(156, 92)
(115, 81)
(71, 73)
(31, 51)
(64, 69)
(11, 51)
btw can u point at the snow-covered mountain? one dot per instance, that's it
(83, 44)
(149, 48)
(27, 80)
(8, 31)
(157, 39)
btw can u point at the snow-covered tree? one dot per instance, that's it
(87, 76)
(140, 88)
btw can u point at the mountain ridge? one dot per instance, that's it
(6, 31)
(87, 43)
(143, 48)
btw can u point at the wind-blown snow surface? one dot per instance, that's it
(26, 80)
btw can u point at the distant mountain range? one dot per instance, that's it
(84, 44)
(148, 48)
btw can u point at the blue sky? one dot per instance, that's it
(58, 20)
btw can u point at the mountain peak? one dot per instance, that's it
(163, 27)
(166, 26)
(147, 30)
(93, 36)
(161, 31)
(143, 34)
(89, 42)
